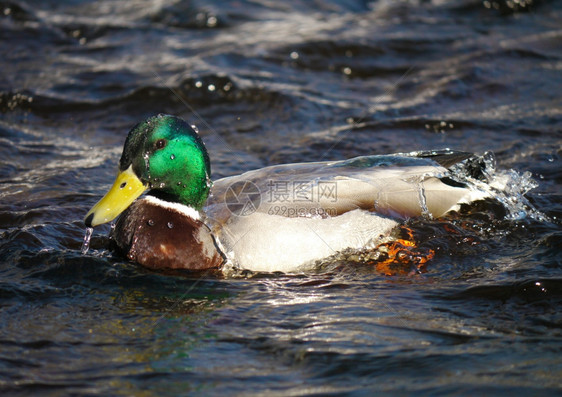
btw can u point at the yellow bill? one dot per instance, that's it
(126, 188)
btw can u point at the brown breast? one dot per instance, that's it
(160, 238)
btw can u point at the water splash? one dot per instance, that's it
(423, 202)
(508, 187)
(422, 199)
(86, 242)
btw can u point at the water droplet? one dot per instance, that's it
(86, 242)
(489, 161)
(150, 222)
(172, 156)
(212, 21)
(146, 157)
(170, 225)
(162, 184)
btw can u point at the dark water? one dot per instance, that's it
(271, 82)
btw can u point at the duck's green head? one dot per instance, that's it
(163, 154)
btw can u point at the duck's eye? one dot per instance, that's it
(160, 143)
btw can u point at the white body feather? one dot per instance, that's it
(368, 198)
(268, 243)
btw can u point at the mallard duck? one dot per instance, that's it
(279, 218)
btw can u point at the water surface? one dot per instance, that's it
(268, 83)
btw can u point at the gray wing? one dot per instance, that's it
(400, 185)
